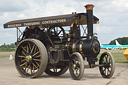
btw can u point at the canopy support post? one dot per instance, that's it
(17, 34)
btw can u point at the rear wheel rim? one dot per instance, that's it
(28, 58)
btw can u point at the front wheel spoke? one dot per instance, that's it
(109, 60)
(108, 70)
(72, 65)
(111, 66)
(77, 72)
(104, 70)
(73, 61)
(106, 58)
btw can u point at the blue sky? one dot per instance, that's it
(113, 15)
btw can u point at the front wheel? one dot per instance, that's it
(107, 63)
(76, 66)
(31, 58)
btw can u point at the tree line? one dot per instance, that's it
(12, 46)
(122, 41)
(7, 47)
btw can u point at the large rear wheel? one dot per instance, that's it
(31, 58)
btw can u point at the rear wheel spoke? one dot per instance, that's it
(23, 53)
(21, 56)
(32, 48)
(31, 69)
(35, 50)
(25, 50)
(23, 60)
(36, 53)
(35, 66)
(38, 56)
(29, 46)
(28, 58)
(36, 60)
(23, 64)
(25, 67)
(28, 68)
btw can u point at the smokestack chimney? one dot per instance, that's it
(89, 10)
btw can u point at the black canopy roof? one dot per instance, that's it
(62, 20)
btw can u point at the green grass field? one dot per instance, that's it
(117, 54)
(6, 54)
(1, 56)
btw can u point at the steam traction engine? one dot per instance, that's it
(47, 47)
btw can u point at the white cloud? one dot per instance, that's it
(6, 35)
(12, 5)
(113, 14)
(120, 5)
(104, 29)
(21, 16)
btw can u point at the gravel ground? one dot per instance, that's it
(7, 53)
(10, 76)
